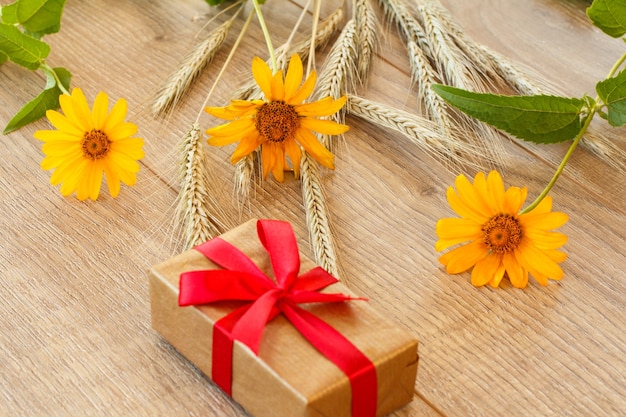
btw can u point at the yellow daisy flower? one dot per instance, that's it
(279, 124)
(501, 241)
(88, 143)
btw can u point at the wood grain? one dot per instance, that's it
(75, 336)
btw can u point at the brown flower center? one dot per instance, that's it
(95, 144)
(277, 121)
(502, 233)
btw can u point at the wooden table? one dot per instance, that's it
(75, 335)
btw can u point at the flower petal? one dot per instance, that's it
(122, 131)
(131, 147)
(461, 208)
(515, 271)
(61, 148)
(305, 90)
(292, 149)
(81, 109)
(113, 180)
(537, 262)
(327, 127)
(235, 137)
(486, 269)
(324, 107)
(100, 109)
(278, 87)
(263, 76)
(464, 257)
(310, 143)
(246, 146)
(495, 192)
(58, 136)
(514, 198)
(545, 240)
(64, 124)
(450, 228)
(293, 79)
(234, 128)
(543, 221)
(470, 197)
(117, 115)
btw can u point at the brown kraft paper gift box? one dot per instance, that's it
(289, 377)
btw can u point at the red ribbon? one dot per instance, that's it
(242, 280)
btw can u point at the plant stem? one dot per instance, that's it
(592, 112)
(266, 35)
(566, 158)
(48, 70)
(316, 16)
(225, 65)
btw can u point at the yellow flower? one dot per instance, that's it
(88, 143)
(281, 123)
(501, 241)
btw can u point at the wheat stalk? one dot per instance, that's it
(317, 217)
(419, 130)
(196, 208)
(178, 83)
(365, 22)
(424, 76)
(338, 72)
(409, 26)
(325, 30)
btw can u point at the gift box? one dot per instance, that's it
(276, 332)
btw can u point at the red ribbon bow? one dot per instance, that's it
(242, 280)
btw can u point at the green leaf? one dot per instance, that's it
(613, 92)
(609, 15)
(9, 13)
(48, 99)
(37, 17)
(22, 49)
(540, 118)
(3, 57)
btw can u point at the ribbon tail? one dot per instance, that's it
(333, 345)
(222, 356)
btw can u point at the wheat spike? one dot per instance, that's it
(409, 26)
(367, 39)
(196, 208)
(448, 148)
(456, 69)
(489, 62)
(178, 83)
(244, 171)
(317, 217)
